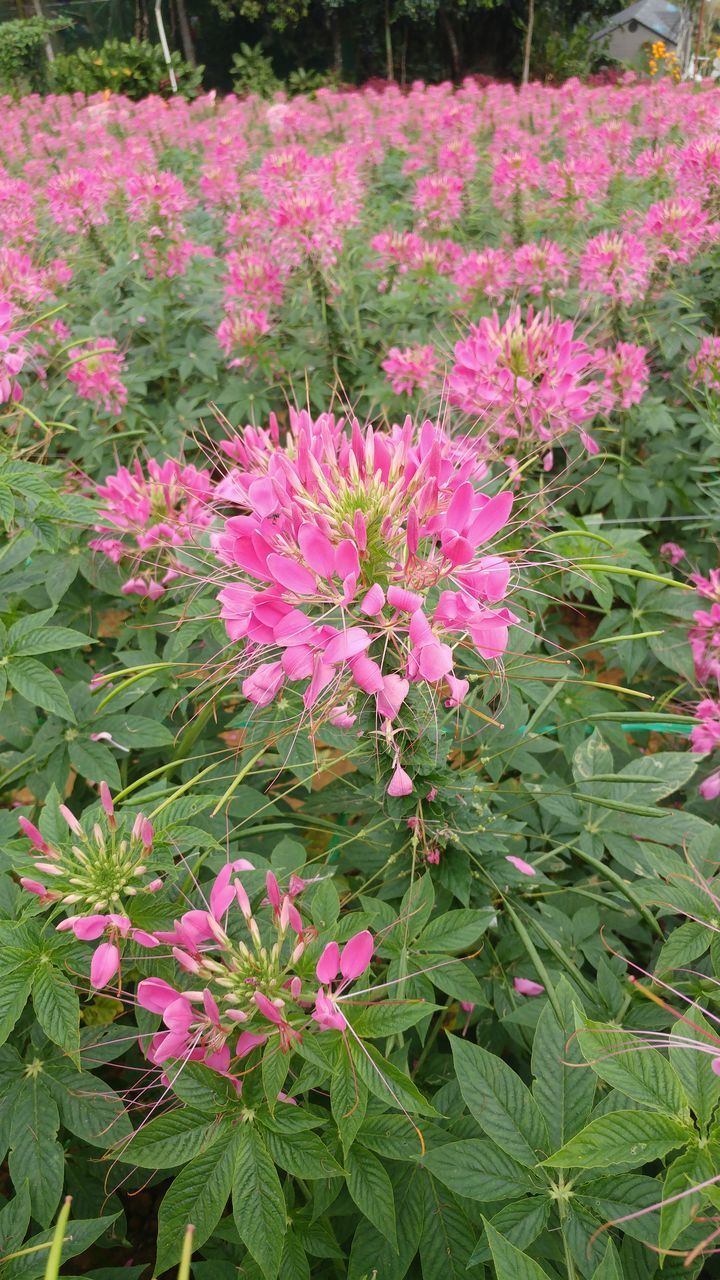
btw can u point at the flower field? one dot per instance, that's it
(360, 630)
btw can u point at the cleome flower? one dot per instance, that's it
(246, 990)
(359, 565)
(98, 872)
(147, 516)
(529, 380)
(95, 371)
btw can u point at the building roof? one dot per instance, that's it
(659, 16)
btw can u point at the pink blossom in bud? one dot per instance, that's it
(106, 801)
(29, 829)
(70, 818)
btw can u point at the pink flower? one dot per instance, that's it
(358, 562)
(672, 552)
(520, 865)
(351, 963)
(526, 987)
(526, 380)
(615, 265)
(95, 370)
(401, 783)
(146, 515)
(704, 366)
(626, 375)
(410, 368)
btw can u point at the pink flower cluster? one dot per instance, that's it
(95, 371)
(410, 368)
(99, 872)
(147, 515)
(530, 380)
(704, 639)
(360, 564)
(12, 356)
(704, 366)
(246, 991)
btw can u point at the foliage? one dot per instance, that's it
(359, 869)
(23, 63)
(134, 67)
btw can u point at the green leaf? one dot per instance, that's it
(170, 1139)
(661, 775)
(609, 1268)
(520, 1223)
(629, 1138)
(623, 1060)
(348, 1098)
(39, 686)
(479, 1170)
(294, 1264)
(47, 640)
(591, 757)
(689, 1169)
(511, 1263)
(388, 1017)
(302, 1154)
(624, 1195)
(564, 1093)
(388, 1082)
(448, 1239)
(685, 945)
(88, 1106)
(14, 1220)
(14, 993)
(372, 1253)
(94, 761)
(371, 1189)
(81, 1234)
(35, 1155)
(258, 1202)
(198, 1195)
(57, 1007)
(204, 1089)
(454, 931)
(693, 1066)
(502, 1105)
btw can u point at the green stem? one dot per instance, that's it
(622, 886)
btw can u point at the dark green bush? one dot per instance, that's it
(23, 60)
(133, 67)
